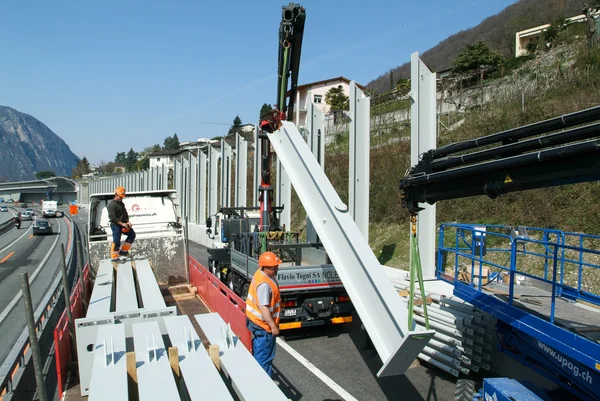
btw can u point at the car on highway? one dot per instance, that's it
(31, 211)
(42, 227)
(26, 216)
(3, 209)
(24, 205)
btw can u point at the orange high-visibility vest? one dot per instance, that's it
(252, 309)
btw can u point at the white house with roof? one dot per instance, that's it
(164, 157)
(314, 92)
(522, 38)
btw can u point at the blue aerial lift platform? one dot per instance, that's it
(534, 281)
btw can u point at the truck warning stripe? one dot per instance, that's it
(286, 287)
(6, 257)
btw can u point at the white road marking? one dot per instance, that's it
(14, 301)
(316, 371)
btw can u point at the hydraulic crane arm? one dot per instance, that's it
(291, 31)
(567, 157)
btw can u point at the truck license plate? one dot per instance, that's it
(289, 312)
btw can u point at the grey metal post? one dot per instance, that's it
(284, 195)
(241, 167)
(202, 188)
(186, 247)
(225, 174)
(67, 292)
(360, 135)
(422, 138)
(256, 176)
(33, 340)
(315, 123)
(80, 272)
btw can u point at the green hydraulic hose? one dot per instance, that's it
(283, 78)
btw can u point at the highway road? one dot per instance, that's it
(335, 363)
(39, 256)
(5, 216)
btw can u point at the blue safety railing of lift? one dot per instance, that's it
(566, 262)
(564, 265)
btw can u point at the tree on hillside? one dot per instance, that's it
(265, 110)
(476, 57)
(42, 175)
(106, 167)
(130, 160)
(82, 167)
(337, 101)
(171, 142)
(236, 127)
(120, 158)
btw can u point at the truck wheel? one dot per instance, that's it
(245, 289)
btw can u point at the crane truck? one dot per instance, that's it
(312, 292)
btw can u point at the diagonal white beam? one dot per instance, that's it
(383, 314)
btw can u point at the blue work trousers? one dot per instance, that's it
(263, 347)
(117, 231)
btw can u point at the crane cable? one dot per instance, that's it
(416, 270)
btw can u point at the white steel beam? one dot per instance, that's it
(249, 380)
(315, 120)
(358, 166)
(383, 314)
(423, 138)
(101, 294)
(225, 174)
(198, 371)
(155, 378)
(110, 365)
(126, 297)
(241, 171)
(213, 160)
(98, 314)
(149, 289)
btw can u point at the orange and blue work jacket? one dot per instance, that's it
(252, 306)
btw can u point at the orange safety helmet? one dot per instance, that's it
(120, 191)
(268, 259)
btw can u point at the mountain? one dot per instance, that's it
(28, 146)
(498, 31)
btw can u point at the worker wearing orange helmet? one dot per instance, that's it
(263, 308)
(119, 224)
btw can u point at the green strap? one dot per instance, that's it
(415, 269)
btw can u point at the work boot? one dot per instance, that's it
(124, 253)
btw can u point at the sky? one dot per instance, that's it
(114, 75)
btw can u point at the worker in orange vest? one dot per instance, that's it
(119, 224)
(262, 310)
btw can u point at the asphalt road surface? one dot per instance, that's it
(336, 363)
(39, 256)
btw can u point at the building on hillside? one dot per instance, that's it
(522, 38)
(317, 91)
(164, 157)
(248, 127)
(119, 169)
